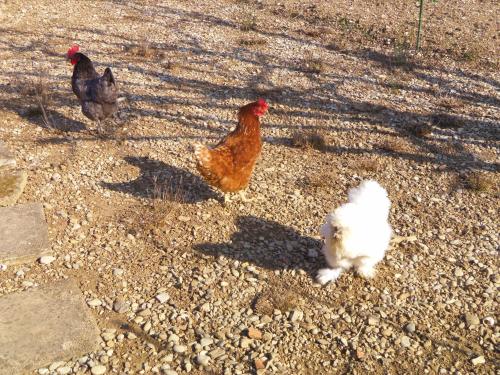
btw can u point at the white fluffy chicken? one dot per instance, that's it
(357, 234)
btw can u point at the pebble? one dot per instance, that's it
(202, 359)
(206, 341)
(471, 319)
(47, 259)
(64, 370)
(162, 297)
(259, 364)
(405, 341)
(478, 360)
(169, 372)
(180, 348)
(120, 306)
(117, 272)
(459, 272)
(489, 320)
(98, 370)
(254, 333)
(94, 302)
(410, 327)
(3, 267)
(43, 371)
(54, 366)
(296, 315)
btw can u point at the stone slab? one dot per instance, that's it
(45, 325)
(23, 233)
(6, 157)
(12, 183)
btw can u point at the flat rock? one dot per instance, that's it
(6, 157)
(12, 183)
(23, 234)
(45, 325)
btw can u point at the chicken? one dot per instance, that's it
(357, 233)
(98, 95)
(229, 165)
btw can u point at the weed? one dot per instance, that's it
(313, 65)
(248, 23)
(394, 145)
(446, 121)
(420, 129)
(309, 139)
(366, 164)
(252, 42)
(145, 50)
(479, 182)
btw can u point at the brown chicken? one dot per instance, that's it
(228, 166)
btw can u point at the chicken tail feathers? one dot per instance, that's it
(108, 76)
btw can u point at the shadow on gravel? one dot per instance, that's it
(160, 180)
(267, 244)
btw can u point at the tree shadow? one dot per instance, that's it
(160, 180)
(267, 244)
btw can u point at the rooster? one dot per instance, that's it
(229, 165)
(97, 94)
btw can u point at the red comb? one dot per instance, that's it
(74, 49)
(262, 103)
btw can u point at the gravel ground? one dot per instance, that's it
(181, 284)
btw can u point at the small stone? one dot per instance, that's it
(459, 272)
(117, 272)
(410, 327)
(162, 297)
(120, 306)
(245, 343)
(64, 370)
(373, 320)
(43, 371)
(296, 315)
(471, 319)
(54, 366)
(254, 333)
(478, 360)
(184, 219)
(108, 336)
(360, 354)
(3, 267)
(98, 370)
(489, 320)
(202, 359)
(131, 336)
(180, 348)
(405, 341)
(169, 372)
(47, 259)
(206, 341)
(259, 364)
(94, 302)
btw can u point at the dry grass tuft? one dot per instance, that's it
(249, 42)
(366, 164)
(446, 121)
(309, 139)
(319, 179)
(420, 130)
(450, 102)
(396, 145)
(480, 182)
(276, 299)
(313, 65)
(37, 91)
(248, 23)
(145, 50)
